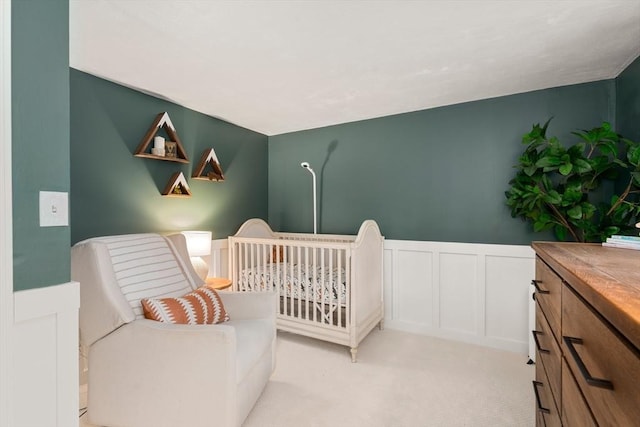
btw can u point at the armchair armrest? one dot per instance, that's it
(135, 371)
(250, 305)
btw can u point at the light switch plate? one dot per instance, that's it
(54, 209)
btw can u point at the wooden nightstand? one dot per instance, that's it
(218, 283)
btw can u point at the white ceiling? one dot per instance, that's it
(282, 66)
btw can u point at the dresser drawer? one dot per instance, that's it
(605, 366)
(548, 354)
(548, 295)
(575, 412)
(547, 414)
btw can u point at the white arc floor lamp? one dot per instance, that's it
(306, 166)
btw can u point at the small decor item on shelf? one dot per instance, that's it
(170, 149)
(177, 186)
(209, 161)
(158, 146)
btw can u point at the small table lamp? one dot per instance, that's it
(198, 245)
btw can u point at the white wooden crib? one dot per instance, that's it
(329, 286)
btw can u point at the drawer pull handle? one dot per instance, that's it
(536, 384)
(535, 338)
(596, 382)
(535, 282)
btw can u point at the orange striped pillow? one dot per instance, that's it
(200, 307)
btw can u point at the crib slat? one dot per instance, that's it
(330, 287)
(283, 283)
(299, 314)
(339, 287)
(322, 288)
(314, 273)
(240, 262)
(348, 290)
(306, 276)
(269, 264)
(279, 279)
(254, 267)
(291, 284)
(234, 265)
(248, 266)
(263, 263)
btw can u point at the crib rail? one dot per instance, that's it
(327, 238)
(312, 276)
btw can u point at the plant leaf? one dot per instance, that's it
(633, 155)
(553, 197)
(575, 212)
(582, 166)
(560, 232)
(547, 161)
(565, 169)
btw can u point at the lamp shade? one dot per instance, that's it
(198, 242)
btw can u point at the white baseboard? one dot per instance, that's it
(45, 356)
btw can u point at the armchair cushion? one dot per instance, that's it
(200, 307)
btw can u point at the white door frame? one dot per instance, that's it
(6, 222)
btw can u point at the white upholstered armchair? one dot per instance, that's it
(144, 373)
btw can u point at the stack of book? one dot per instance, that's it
(624, 242)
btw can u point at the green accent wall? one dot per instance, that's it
(437, 174)
(628, 101)
(113, 192)
(40, 141)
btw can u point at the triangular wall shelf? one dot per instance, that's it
(208, 158)
(177, 186)
(163, 121)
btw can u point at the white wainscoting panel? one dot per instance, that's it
(219, 260)
(457, 290)
(507, 296)
(476, 293)
(45, 356)
(412, 303)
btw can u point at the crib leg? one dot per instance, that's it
(354, 352)
(381, 325)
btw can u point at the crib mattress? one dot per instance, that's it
(313, 282)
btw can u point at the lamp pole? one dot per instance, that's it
(306, 166)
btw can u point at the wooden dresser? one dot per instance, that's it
(587, 335)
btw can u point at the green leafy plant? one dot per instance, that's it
(571, 190)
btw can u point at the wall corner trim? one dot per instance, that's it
(6, 223)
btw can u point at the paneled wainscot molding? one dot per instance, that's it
(45, 356)
(474, 293)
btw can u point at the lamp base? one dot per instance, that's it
(200, 267)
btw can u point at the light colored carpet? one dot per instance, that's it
(400, 380)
